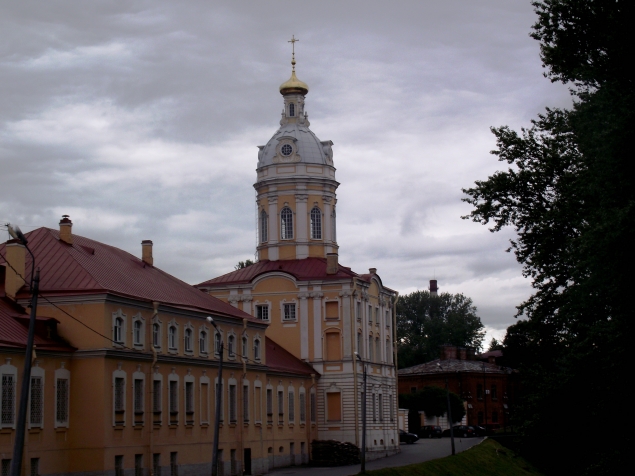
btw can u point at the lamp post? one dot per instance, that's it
(219, 394)
(363, 469)
(18, 448)
(447, 396)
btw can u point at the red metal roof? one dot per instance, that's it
(88, 266)
(279, 359)
(14, 329)
(301, 269)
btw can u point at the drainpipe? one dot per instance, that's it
(354, 362)
(395, 403)
(309, 423)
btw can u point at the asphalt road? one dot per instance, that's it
(422, 450)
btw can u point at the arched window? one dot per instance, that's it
(136, 332)
(256, 349)
(156, 335)
(245, 347)
(370, 349)
(202, 342)
(188, 340)
(230, 345)
(286, 221)
(172, 337)
(377, 350)
(360, 351)
(263, 227)
(291, 110)
(118, 330)
(316, 224)
(217, 341)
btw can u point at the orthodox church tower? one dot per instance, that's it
(296, 185)
(318, 310)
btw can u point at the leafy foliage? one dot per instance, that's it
(433, 401)
(569, 192)
(426, 322)
(243, 264)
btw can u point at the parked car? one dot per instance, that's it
(460, 431)
(480, 431)
(405, 437)
(430, 431)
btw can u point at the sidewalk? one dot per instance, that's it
(422, 450)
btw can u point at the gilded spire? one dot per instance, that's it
(293, 85)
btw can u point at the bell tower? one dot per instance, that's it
(295, 184)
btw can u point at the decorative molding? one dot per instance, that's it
(327, 198)
(316, 295)
(304, 295)
(346, 293)
(272, 200)
(301, 197)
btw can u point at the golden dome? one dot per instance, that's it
(294, 85)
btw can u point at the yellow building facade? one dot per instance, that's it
(322, 312)
(126, 367)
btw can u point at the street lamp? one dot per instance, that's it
(219, 390)
(447, 396)
(363, 415)
(34, 285)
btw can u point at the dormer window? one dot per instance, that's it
(291, 110)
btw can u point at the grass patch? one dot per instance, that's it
(489, 458)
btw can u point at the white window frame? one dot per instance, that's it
(286, 229)
(156, 321)
(257, 348)
(157, 377)
(115, 375)
(266, 306)
(244, 346)
(138, 375)
(302, 395)
(118, 333)
(138, 344)
(188, 328)
(37, 372)
(218, 338)
(246, 412)
(315, 223)
(189, 415)
(264, 226)
(204, 403)
(173, 343)
(9, 370)
(203, 350)
(231, 345)
(63, 374)
(291, 405)
(232, 401)
(258, 384)
(287, 306)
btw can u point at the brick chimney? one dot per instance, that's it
(146, 252)
(16, 257)
(372, 270)
(448, 352)
(433, 287)
(332, 266)
(66, 230)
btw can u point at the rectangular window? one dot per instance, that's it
(370, 348)
(189, 402)
(289, 312)
(377, 350)
(246, 403)
(358, 311)
(233, 466)
(35, 466)
(332, 310)
(138, 396)
(232, 404)
(262, 312)
(291, 406)
(280, 407)
(494, 393)
(8, 400)
(36, 402)
(479, 391)
(173, 402)
(222, 401)
(156, 396)
(174, 467)
(119, 465)
(138, 465)
(269, 406)
(313, 408)
(302, 407)
(381, 407)
(119, 394)
(370, 314)
(377, 315)
(494, 417)
(6, 467)
(334, 406)
(61, 413)
(156, 464)
(258, 404)
(392, 408)
(372, 400)
(204, 403)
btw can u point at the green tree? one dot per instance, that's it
(243, 264)
(494, 345)
(433, 402)
(569, 192)
(426, 322)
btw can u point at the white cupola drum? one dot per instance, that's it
(295, 184)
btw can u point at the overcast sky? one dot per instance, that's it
(140, 119)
